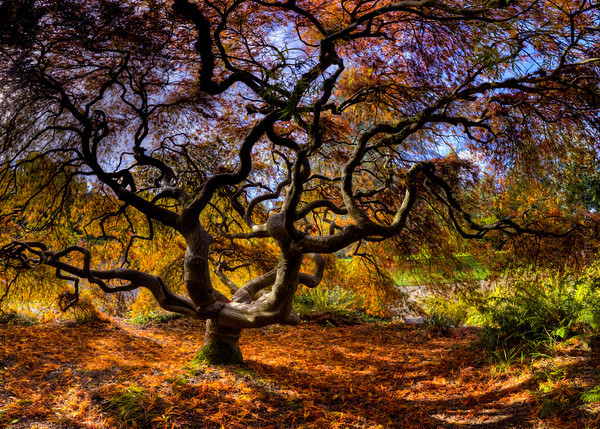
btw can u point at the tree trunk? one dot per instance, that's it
(196, 269)
(221, 345)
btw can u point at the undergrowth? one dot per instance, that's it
(535, 311)
(331, 306)
(527, 321)
(14, 318)
(531, 317)
(527, 312)
(133, 407)
(322, 299)
(153, 317)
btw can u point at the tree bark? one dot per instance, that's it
(196, 267)
(221, 345)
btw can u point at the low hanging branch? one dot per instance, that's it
(505, 225)
(16, 255)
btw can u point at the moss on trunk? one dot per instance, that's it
(218, 353)
(221, 346)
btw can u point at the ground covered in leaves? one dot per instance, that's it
(112, 374)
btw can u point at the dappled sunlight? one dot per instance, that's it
(250, 165)
(366, 376)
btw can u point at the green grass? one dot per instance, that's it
(158, 317)
(466, 267)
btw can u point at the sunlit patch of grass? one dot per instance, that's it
(425, 271)
(153, 317)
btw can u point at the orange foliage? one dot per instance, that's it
(362, 376)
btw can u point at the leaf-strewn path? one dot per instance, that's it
(109, 375)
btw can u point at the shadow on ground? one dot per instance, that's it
(107, 375)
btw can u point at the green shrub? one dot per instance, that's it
(454, 308)
(13, 318)
(592, 395)
(536, 310)
(439, 323)
(153, 317)
(332, 306)
(322, 299)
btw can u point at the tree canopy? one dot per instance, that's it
(259, 133)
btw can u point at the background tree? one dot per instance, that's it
(305, 125)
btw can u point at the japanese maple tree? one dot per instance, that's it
(306, 125)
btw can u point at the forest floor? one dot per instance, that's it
(112, 374)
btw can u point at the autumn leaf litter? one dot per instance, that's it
(112, 374)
